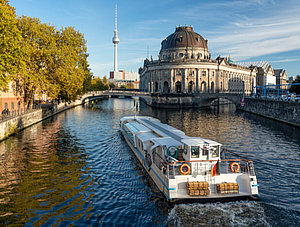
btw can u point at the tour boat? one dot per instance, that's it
(187, 168)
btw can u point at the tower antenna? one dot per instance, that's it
(115, 41)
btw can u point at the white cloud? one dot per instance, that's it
(287, 60)
(260, 36)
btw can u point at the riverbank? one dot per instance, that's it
(18, 123)
(282, 111)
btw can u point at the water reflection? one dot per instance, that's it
(38, 175)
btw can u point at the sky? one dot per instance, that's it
(250, 30)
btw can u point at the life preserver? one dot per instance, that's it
(184, 172)
(172, 151)
(234, 167)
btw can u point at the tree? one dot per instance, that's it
(71, 65)
(104, 80)
(39, 41)
(97, 85)
(56, 61)
(11, 52)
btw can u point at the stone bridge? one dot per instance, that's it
(190, 100)
(100, 95)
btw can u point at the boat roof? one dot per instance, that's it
(135, 127)
(199, 141)
(164, 130)
(146, 136)
(152, 128)
(167, 141)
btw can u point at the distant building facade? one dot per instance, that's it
(281, 76)
(129, 79)
(185, 66)
(11, 99)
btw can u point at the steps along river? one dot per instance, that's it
(76, 169)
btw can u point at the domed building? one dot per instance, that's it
(184, 65)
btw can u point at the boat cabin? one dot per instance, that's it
(196, 149)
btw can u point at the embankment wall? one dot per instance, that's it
(18, 123)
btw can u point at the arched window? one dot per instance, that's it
(191, 87)
(178, 86)
(166, 87)
(203, 87)
(156, 87)
(212, 87)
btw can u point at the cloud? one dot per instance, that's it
(286, 60)
(247, 38)
(155, 21)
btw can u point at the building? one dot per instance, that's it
(128, 79)
(265, 73)
(11, 99)
(281, 76)
(185, 66)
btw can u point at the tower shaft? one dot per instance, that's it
(115, 41)
(115, 57)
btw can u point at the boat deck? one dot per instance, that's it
(167, 133)
(183, 194)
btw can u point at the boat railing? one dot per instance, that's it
(204, 167)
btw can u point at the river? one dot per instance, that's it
(75, 169)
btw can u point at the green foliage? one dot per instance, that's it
(112, 85)
(72, 67)
(39, 41)
(296, 88)
(104, 80)
(41, 58)
(11, 52)
(97, 85)
(56, 61)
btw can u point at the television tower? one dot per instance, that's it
(115, 41)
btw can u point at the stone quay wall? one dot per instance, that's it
(18, 123)
(287, 112)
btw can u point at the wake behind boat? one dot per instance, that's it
(187, 168)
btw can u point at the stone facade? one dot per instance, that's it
(281, 76)
(185, 66)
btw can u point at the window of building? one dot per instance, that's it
(203, 73)
(12, 105)
(5, 105)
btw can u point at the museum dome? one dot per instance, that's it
(184, 36)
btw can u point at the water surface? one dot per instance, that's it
(75, 169)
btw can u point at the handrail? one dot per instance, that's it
(222, 160)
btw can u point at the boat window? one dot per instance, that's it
(195, 151)
(204, 151)
(129, 134)
(185, 149)
(215, 152)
